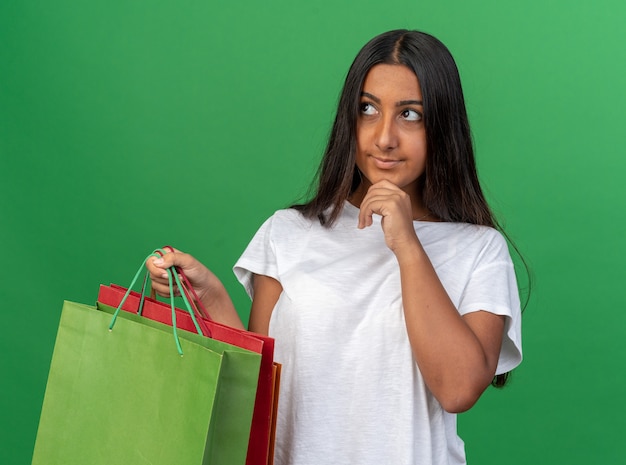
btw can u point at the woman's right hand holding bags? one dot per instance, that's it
(208, 287)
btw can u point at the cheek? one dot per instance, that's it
(359, 159)
(420, 146)
(416, 146)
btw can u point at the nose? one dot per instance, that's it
(386, 135)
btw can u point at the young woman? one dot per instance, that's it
(391, 294)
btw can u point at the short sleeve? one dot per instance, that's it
(259, 257)
(492, 287)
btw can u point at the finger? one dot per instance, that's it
(171, 258)
(378, 192)
(368, 208)
(384, 204)
(163, 289)
(156, 267)
(381, 191)
(373, 202)
(384, 185)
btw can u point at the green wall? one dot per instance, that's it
(127, 125)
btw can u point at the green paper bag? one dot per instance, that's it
(127, 396)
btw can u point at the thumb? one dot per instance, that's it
(167, 260)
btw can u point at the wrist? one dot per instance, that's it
(410, 253)
(211, 296)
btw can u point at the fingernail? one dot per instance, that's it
(158, 261)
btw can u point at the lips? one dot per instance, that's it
(385, 163)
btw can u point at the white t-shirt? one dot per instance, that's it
(351, 391)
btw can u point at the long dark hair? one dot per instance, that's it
(450, 187)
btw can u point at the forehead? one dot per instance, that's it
(392, 81)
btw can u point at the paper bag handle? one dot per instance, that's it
(172, 276)
(188, 294)
(188, 288)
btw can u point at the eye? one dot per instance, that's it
(411, 115)
(367, 109)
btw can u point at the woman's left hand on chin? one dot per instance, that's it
(394, 205)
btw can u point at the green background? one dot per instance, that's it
(127, 125)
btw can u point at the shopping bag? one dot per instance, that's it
(126, 395)
(262, 433)
(261, 439)
(276, 370)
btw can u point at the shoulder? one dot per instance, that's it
(467, 242)
(285, 223)
(488, 244)
(290, 215)
(289, 218)
(477, 236)
(463, 232)
(488, 249)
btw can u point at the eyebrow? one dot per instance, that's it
(401, 103)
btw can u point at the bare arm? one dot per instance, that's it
(457, 355)
(266, 293)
